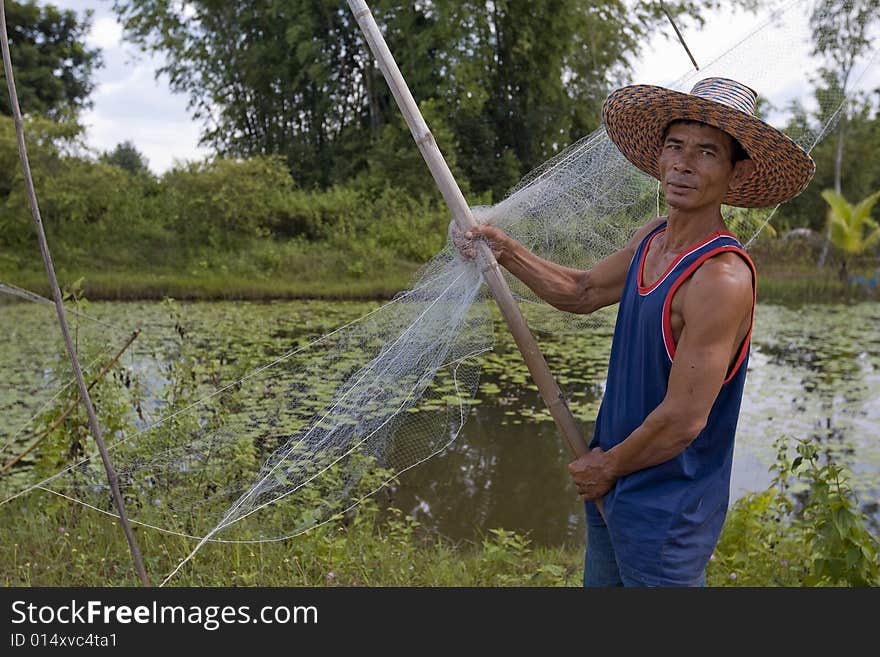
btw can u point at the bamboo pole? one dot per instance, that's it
(534, 359)
(59, 304)
(70, 408)
(680, 37)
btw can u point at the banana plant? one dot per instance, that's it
(852, 229)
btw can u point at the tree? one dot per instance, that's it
(286, 77)
(74, 191)
(126, 156)
(859, 170)
(529, 78)
(52, 65)
(841, 35)
(516, 80)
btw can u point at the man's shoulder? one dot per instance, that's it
(726, 278)
(728, 263)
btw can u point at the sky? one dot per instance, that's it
(130, 103)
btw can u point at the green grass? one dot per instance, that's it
(788, 274)
(130, 286)
(784, 536)
(153, 265)
(73, 546)
(322, 273)
(258, 270)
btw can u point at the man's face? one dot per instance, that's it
(695, 167)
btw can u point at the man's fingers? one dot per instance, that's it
(465, 241)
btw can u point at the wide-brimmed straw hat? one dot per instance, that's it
(637, 116)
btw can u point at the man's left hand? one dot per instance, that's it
(592, 474)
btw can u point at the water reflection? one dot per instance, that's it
(512, 476)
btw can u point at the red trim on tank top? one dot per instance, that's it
(667, 305)
(643, 290)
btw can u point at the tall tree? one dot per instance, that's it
(288, 77)
(841, 34)
(126, 156)
(516, 80)
(53, 65)
(528, 78)
(859, 170)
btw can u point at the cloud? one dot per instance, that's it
(106, 33)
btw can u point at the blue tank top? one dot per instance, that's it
(665, 520)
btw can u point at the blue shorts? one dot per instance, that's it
(601, 568)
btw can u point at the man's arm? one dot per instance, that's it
(565, 288)
(718, 302)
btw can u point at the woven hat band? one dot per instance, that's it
(727, 92)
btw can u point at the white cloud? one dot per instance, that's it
(129, 104)
(106, 33)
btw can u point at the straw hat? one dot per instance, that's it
(636, 117)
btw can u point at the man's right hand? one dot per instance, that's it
(499, 242)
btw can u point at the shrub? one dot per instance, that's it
(815, 536)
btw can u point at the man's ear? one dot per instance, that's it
(742, 171)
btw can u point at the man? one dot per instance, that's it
(660, 460)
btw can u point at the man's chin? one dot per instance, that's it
(679, 204)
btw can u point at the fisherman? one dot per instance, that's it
(656, 480)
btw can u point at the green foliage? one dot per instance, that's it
(805, 530)
(52, 65)
(73, 191)
(517, 80)
(127, 157)
(852, 229)
(841, 31)
(222, 200)
(113, 397)
(859, 172)
(216, 216)
(746, 222)
(397, 223)
(846, 160)
(321, 215)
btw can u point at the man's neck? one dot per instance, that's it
(684, 229)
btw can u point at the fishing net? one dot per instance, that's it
(308, 435)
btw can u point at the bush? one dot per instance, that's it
(219, 201)
(783, 536)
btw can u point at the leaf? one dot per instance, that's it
(853, 555)
(841, 518)
(848, 223)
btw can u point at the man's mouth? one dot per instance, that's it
(676, 185)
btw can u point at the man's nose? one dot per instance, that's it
(682, 164)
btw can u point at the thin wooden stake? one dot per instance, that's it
(680, 38)
(70, 408)
(59, 305)
(534, 359)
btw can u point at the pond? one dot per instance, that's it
(814, 373)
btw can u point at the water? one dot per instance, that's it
(814, 373)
